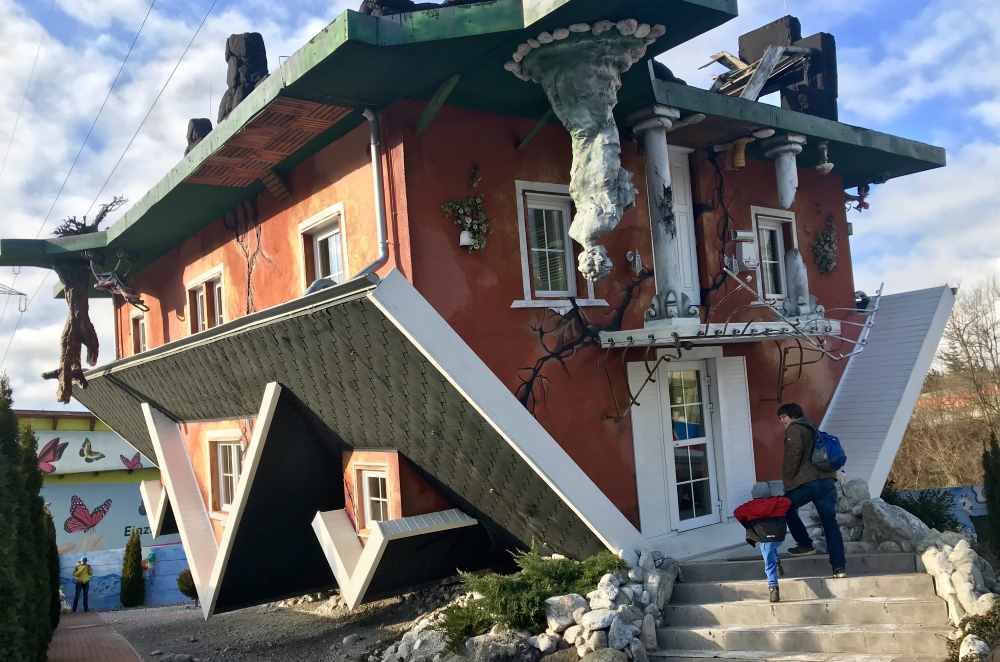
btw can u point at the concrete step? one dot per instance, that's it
(885, 639)
(753, 656)
(863, 611)
(816, 565)
(807, 588)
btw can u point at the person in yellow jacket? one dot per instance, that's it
(81, 576)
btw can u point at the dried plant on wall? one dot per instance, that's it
(561, 335)
(241, 222)
(78, 332)
(825, 251)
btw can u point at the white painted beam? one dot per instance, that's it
(354, 565)
(155, 501)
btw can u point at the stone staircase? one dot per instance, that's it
(884, 612)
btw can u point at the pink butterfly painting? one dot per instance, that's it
(133, 464)
(51, 453)
(81, 519)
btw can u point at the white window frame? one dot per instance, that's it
(219, 440)
(367, 498)
(547, 196)
(199, 283)
(773, 219)
(143, 331)
(317, 227)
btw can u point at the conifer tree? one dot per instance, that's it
(52, 556)
(34, 549)
(13, 637)
(133, 583)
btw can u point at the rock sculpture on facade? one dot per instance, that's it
(580, 69)
(198, 128)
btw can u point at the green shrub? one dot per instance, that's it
(185, 584)
(932, 507)
(518, 600)
(986, 627)
(133, 592)
(52, 558)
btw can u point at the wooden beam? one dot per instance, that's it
(437, 101)
(274, 183)
(545, 119)
(763, 72)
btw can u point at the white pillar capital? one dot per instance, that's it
(654, 117)
(783, 148)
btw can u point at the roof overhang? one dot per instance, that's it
(367, 364)
(860, 156)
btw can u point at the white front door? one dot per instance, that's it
(689, 445)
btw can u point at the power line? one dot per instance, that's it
(208, 12)
(153, 105)
(86, 138)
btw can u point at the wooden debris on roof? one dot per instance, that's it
(277, 132)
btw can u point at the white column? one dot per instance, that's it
(783, 149)
(672, 245)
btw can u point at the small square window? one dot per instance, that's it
(375, 493)
(550, 251)
(323, 247)
(205, 304)
(139, 334)
(228, 465)
(775, 234)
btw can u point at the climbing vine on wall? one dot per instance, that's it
(825, 251)
(562, 335)
(243, 222)
(469, 213)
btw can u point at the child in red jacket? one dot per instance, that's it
(764, 520)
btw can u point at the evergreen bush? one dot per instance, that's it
(991, 489)
(52, 557)
(133, 593)
(932, 507)
(518, 600)
(185, 584)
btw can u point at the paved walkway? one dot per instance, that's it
(85, 637)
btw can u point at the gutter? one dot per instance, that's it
(376, 148)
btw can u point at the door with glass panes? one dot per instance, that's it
(689, 445)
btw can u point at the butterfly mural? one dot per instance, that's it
(82, 519)
(133, 464)
(49, 454)
(88, 453)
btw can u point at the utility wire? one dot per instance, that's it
(197, 31)
(86, 138)
(153, 105)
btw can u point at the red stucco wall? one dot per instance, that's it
(579, 405)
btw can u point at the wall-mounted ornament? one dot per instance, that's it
(469, 214)
(825, 250)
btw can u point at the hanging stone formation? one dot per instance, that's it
(580, 68)
(198, 128)
(247, 61)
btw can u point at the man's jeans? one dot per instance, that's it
(822, 493)
(769, 550)
(81, 588)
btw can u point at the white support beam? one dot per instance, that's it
(354, 565)
(155, 501)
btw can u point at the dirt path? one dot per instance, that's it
(278, 632)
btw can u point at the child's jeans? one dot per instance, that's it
(769, 550)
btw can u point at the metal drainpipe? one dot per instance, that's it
(383, 244)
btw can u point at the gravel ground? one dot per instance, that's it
(283, 632)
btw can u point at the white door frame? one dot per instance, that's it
(732, 437)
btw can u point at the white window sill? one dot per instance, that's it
(560, 306)
(219, 515)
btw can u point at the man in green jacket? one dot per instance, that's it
(806, 483)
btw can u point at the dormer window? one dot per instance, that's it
(138, 332)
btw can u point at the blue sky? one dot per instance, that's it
(924, 70)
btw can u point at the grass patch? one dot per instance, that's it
(518, 600)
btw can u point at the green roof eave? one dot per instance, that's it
(366, 61)
(48, 252)
(860, 155)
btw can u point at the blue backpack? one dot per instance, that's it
(827, 454)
